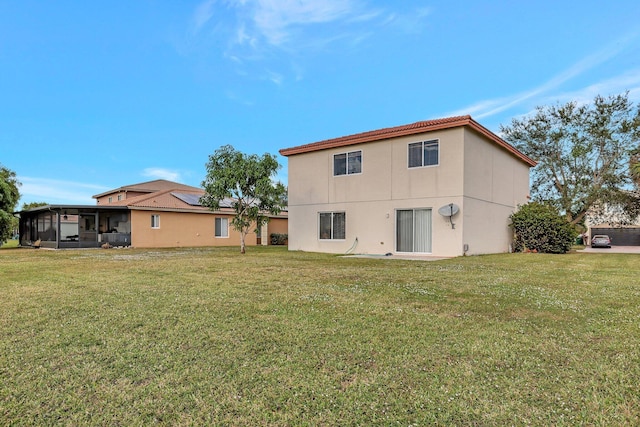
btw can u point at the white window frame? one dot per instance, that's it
(224, 227)
(155, 221)
(348, 155)
(429, 142)
(331, 235)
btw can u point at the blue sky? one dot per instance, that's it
(96, 95)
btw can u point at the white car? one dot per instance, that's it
(600, 241)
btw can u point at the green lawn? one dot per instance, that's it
(210, 337)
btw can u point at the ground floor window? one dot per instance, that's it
(222, 227)
(332, 225)
(155, 221)
(413, 230)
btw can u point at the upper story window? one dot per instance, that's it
(155, 221)
(119, 196)
(110, 199)
(424, 153)
(347, 163)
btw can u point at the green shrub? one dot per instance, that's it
(279, 238)
(540, 228)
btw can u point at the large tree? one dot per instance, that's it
(583, 153)
(246, 182)
(9, 196)
(634, 166)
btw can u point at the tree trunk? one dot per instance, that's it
(242, 246)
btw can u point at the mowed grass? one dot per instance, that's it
(211, 337)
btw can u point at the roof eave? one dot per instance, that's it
(412, 129)
(501, 142)
(84, 207)
(377, 135)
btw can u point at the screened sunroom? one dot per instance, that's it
(63, 226)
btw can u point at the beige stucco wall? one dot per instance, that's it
(104, 200)
(495, 184)
(277, 225)
(485, 181)
(181, 229)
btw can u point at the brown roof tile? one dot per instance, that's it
(150, 187)
(161, 200)
(410, 129)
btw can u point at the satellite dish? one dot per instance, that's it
(449, 211)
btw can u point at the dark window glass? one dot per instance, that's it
(347, 163)
(338, 225)
(340, 164)
(325, 226)
(415, 155)
(332, 226)
(355, 162)
(423, 154)
(430, 153)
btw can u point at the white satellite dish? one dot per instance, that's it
(449, 211)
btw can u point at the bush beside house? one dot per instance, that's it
(540, 228)
(279, 238)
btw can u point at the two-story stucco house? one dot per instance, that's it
(393, 191)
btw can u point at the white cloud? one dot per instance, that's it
(202, 15)
(53, 191)
(275, 18)
(412, 22)
(251, 32)
(275, 78)
(161, 173)
(233, 96)
(286, 24)
(535, 96)
(627, 81)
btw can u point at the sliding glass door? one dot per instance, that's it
(413, 230)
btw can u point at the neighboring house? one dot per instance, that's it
(152, 214)
(613, 222)
(392, 191)
(621, 235)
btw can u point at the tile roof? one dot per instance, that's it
(150, 187)
(410, 129)
(172, 200)
(161, 200)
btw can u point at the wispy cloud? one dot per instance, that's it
(161, 173)
(52, 191)
(233, 96)
(255, 30)
(627, 81)
(539, 94)
(412, 22)
(274, 77)
(275, 19)
(202, 15)
(270, 22)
